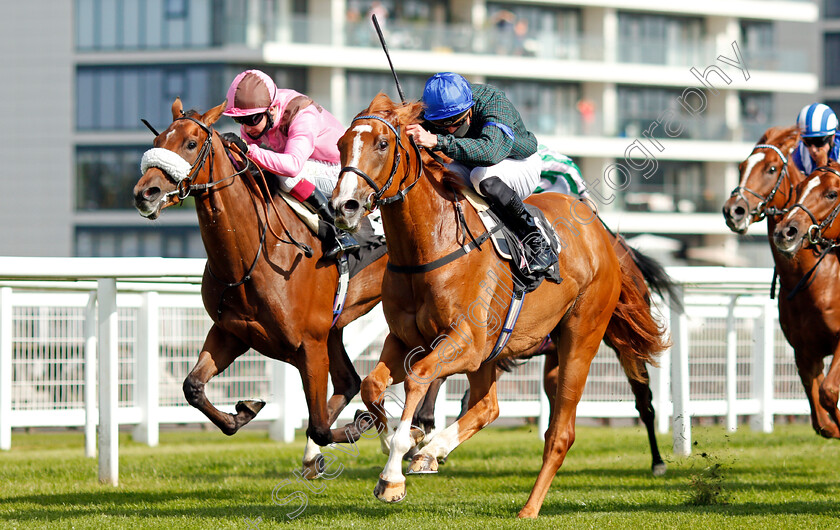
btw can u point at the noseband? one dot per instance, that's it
(760, 212)
(376, 197)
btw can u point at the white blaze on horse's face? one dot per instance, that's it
(751, 162)
(813, 183)
(348, 185)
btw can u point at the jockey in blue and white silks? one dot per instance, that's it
(817, 126)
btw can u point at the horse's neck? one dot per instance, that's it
(228, 220)
(423, 227)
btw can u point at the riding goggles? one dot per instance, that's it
(459, 122)
(250, 120)
(817, 141)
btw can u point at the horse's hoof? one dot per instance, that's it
(410, 454)
(417, 436)
(249, 408)
(658, 469)
(528, 513)
(423, 464)
(389, 491)
(314, 468)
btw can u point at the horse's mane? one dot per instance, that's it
(780, 135)
(404, 113)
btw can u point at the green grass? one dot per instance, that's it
(195, 479)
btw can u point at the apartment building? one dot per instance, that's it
(656, 100)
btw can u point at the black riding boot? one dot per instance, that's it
(335, 240)
(509, 207)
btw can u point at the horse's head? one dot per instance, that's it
(176, 160)
(375, 160)
(812, 218)
(765, 180)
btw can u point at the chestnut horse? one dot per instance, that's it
(260, 291)
(808, 236)
(807, 314)
(646, 272)
(444, 320)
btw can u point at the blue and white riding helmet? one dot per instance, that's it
(816, 120)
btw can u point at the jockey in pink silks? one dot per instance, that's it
(291, 136)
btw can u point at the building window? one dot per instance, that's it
(546, 108)
(656, 112)
(176, 8)
(756, 114)
(362, 87)
(831, 74)
(165, 242)
(672, 187)
(831, 9)
(105, 177)
(658, 39)
(534, 31)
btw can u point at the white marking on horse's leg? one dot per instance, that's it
(385, 439)
(348, 186)
(752, 160)
(311, 451)
(400, 444)
(443, 443)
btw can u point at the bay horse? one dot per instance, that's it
(807, 314)
(808, 237)
(442, 320)
(258, 288)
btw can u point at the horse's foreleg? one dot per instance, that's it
(424, 417)
(829, 392)
(219, 350)
(483, 409)
(388, 370)
(811, 374)
(577, 343)
(644, 404)
(346, 382)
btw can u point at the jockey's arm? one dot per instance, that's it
(299, 146)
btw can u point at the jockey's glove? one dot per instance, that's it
(233, 138)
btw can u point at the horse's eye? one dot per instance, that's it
(192, 144)
(772, 169)
(382, 145)
(831, 195)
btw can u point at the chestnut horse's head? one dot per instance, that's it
(812, 218)
(374, 159)
(765, 180)
(176, 160)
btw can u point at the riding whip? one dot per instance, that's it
(388, 55)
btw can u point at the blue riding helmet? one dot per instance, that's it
(816, 120)
(446, 95)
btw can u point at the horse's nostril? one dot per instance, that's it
(150, 193)
(791, 232)
(739, 211)
(350, 206)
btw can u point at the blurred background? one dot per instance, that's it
(590, 77)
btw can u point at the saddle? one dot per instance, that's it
(510, 249)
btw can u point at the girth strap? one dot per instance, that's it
(507, 328)
(449, 258)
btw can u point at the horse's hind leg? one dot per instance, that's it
(219, 350)
(644, 404)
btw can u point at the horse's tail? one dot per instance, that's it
(656, 278)
(632, 330)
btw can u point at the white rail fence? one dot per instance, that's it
(135, 327)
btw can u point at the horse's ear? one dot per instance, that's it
(211, 116)
(177, 109)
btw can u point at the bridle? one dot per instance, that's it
(815, 231)
(375, 199)
(186, 187)
(760, 212)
